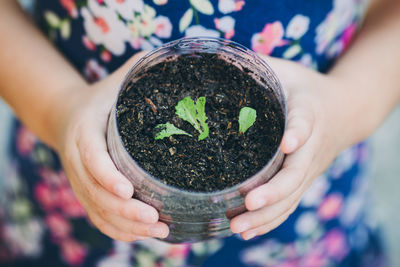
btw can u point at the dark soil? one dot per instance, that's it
(223, 159)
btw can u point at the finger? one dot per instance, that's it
(112, 83)
(300, 117)
(157, 229)
(265, 215)
(270, 226)
(281, 67)
(281, 186)
(284, 183)
(95, 158)
(98, 196)
(299, 129)
(108, 211)
(131, 209)
(118, 75)
(93, 148)
(111, 231)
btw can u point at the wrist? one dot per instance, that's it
(59, 110)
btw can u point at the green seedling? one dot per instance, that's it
(247, 117)
(188, 111)
(195, 114)
(169, 129)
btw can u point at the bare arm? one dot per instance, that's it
(34, 77)
(54, 101)
(371, 70)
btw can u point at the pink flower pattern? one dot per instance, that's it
(270, 37)
(348, 34)
(88, 43)
(70, 6)
(59, 226)
(46, 197)
(331, 206)
(73, 252)
(335, 244)
(59, 204)
(26, 141)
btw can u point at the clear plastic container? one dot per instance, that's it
(195, 216)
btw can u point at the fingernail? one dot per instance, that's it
(147, 216)
(157, 231)
(243, 227)
(259, 203)
(249, 236)
(122, 190)
(291, 144)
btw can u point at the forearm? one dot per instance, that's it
(35, 80)
(370, 69)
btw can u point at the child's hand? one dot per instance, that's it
(103, 191)
(312, 140)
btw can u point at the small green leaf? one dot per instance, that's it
(186, 110)
(168, 129)
(247, 117)
(201, 117)
(195, 114)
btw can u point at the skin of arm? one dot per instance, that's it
(328, 113)
(63, 110)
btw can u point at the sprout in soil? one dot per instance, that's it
(169, 129)
(187, 110)
(195, 114)
(247, 117)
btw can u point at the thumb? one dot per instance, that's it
(120, 73)
(284, 69)
(301, 116)
(299, 129)
(112, 82)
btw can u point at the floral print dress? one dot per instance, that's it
(43, 224)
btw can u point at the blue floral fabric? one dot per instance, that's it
(43, 224)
